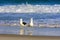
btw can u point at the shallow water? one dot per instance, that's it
(36, 31)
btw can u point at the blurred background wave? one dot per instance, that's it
(45, 2)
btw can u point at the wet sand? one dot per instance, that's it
(19, 37)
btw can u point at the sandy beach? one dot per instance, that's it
(19, 37)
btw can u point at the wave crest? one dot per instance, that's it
(27, 8)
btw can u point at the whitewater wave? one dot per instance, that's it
(28, 8)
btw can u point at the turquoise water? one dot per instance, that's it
(51, 2)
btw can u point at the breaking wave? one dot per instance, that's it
(28, 8)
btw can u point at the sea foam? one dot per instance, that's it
(28, 8)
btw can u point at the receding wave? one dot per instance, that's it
(28, 8)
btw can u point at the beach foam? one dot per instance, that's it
(28, 8)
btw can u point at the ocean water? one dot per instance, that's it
(45, 2)
(36, 31)
(12, 10)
